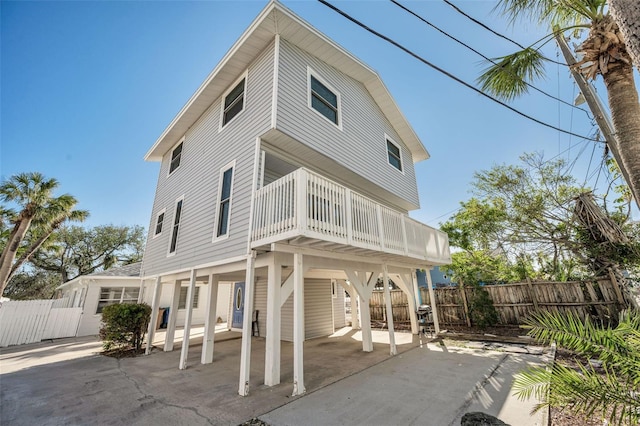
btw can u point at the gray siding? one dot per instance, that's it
(317, 311)
(205, 151)
(360, 146)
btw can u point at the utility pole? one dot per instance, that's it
(596, 107)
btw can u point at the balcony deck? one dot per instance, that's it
(306, 209)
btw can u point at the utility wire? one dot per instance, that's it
(448, 74)
(471, 18)
(483, 56)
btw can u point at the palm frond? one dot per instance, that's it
(554, 12)
(583, 390)
(507, 77)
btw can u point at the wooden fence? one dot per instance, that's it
(30, 321)
(600, 297)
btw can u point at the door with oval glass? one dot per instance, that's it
(238, 306)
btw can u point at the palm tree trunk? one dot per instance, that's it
(10, 250)
(29, 252)
(627, 16)
(625, 114)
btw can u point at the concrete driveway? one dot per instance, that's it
(67, 382)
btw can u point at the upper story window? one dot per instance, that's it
(394, 154)
(176, 155)
(159, 223)
(176, 226)
(234, 101)
(182, 301)
(324, 99)
(224, 203)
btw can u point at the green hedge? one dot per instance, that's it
(124, 325)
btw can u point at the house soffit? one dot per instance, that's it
(277, 19)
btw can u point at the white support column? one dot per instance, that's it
(416, 288)
(184, 352)
(393, 350)
(210, 321)
(155, 307)
(245, 352)
(274, 314)
(406, 283)
(434, 308)
(141, 292)
(173, 316)
(298, 325)
(365, 325)
(353, 296)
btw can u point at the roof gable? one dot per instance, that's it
(277, 19)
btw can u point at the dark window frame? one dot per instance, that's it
(394, 154)
(324, 99)
(175, 228)
(232, 99)
(225, 196)
(176, 157)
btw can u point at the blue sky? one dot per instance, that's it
(87, 88)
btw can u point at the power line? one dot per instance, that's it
(471, 18)
(483, 56)
(448, 74)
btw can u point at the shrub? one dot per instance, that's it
(124, 326)
(483, 313)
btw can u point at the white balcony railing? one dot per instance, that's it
(306, 204)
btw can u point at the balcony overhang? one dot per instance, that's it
(304, 210)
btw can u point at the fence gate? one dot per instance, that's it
(30, 321)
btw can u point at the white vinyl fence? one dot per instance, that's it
(30, 321)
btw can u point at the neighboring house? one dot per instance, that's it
(94, 291)
(288, 173)
(121, 284)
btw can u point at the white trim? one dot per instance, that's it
(231, 165)
(226, 93)
(388, 138)
(219, 263)
(155, 226)
(173, 148)
(173, 223)
(258, 155)
(276, 66)
(310, 73)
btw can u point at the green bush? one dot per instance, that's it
(124, 326)
(483, 313)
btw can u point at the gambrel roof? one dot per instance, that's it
(277, 19)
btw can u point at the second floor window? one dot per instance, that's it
(233, 102)
(324, 100)
(159, 222)
(224, 206)
(176, 154)
(393, 154)
(176, 227)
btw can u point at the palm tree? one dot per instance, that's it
(611, 390)
(604, 53)
(627, 15)
(34, 194)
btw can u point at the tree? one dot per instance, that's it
(522, 223)
(76, 251)
(627, 15)
(33, 194)
(610, 391)
(604, 53)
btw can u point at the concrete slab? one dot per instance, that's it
(434, 385)
(67, 382)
